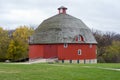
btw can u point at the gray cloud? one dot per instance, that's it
(99, 14)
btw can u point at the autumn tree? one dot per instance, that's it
(4, 42)
(18, 47)
(112, 53)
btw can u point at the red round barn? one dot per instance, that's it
(63, 37)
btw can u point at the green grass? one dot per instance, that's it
(46, 71)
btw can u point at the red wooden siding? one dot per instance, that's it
(71, 52)
(58, 50)
(50, 51)
(35, 51)
(42, 51)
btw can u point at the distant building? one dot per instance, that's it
(64, 37)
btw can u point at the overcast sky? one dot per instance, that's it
(103, 15)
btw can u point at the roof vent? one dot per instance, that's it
(62, 10)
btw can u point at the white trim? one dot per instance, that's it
(65, 45)
(79, 37)
(90, 45)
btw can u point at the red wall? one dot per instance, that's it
(50, 51)
(58, 50)
(71, 52)
(35, 51)
(42, 51)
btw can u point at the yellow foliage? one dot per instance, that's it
(4, 42)
(18, 47)
(23, 33)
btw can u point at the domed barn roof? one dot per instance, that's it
(62, 28)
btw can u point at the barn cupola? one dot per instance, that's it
(62, 10)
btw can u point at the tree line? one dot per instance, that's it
(108, 46)
(14, 43)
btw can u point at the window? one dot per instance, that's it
(79, 52)
(79, 38)
(65, 45)
(90, 45)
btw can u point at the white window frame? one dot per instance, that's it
(65, 45)
(79, 38)
(79, 52)
(91, 45)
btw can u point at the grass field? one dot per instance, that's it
(46, 71)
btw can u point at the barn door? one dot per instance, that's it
(50, 51)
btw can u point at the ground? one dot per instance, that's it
(45, 71)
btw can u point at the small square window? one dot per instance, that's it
(79, 52)
(65, 45)
(90, 45)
